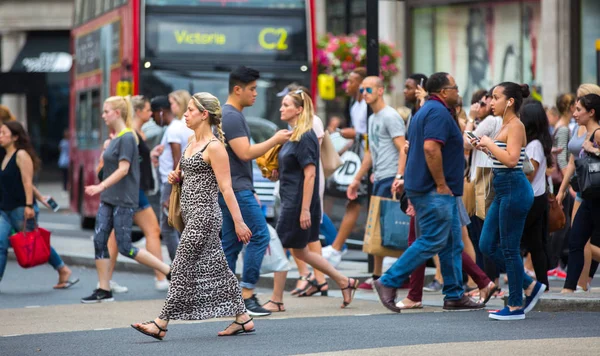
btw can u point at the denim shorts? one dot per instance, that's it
(143, 203)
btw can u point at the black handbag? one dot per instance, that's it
(588, 174)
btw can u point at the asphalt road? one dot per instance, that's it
(310, 335)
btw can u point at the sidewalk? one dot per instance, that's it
(54, 189)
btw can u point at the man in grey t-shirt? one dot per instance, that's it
(385, 154)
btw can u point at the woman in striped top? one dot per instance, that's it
(506, 216)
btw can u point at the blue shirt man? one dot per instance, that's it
(433, 179)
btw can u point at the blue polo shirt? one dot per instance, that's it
(434, 122)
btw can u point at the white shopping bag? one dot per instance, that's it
(275, 259)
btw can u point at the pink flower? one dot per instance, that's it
(362, 32)
(385, 59)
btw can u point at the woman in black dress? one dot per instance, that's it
(300, 216)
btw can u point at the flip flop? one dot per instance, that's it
(67, 284)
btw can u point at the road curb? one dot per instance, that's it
(556, 302)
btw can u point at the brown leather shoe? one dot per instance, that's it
(387, 296)
(465, 303)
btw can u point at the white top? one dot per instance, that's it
(319, 130)
(490, 127)
(177, 132)
(358, 116)
(535, 151)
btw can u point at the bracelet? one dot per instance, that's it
(104, 187)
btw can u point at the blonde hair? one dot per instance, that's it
(5, 114)
(585, 89)
(305, 119)
(209, 103)
(182, 97)
(123, 105)
(139, 102)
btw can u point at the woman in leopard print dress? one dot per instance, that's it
(202, 285)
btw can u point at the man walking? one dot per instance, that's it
(385, 153)
(242, 93)
(434, 178)
(358, 122)
(169, 153)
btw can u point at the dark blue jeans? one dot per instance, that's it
(255, 250)
(13, 220)
(503, 228)
(440, 234)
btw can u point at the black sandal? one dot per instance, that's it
(490, 295)
(352, 287)
(242, 330)
(280, 307)
(297, 291)
(318, 288)
(157, 335)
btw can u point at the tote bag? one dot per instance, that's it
(175, 219)
(32, 248)
(372, 241)
(329, 157)
(394, 224)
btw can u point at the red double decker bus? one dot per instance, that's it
(153, 47)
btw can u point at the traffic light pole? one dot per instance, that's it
(372, 69)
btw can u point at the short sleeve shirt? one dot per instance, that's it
(384, 126)
(235, 126)
(293, 158)
(124, 193)
(434, 122)
(535, 151)
(177, 132)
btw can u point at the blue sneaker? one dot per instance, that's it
(506, 314)
(532, 300)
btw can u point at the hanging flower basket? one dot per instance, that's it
(339, 55)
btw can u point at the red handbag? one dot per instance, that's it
(32, 248)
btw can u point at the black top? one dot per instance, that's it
(146, 179)
(234, 126)
(11, 186)
(293, 157)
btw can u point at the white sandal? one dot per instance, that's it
(417, 305)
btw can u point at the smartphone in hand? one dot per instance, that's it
(53, 204)
(471, 135)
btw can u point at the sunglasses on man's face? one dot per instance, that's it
(368, 90)
(482, 104)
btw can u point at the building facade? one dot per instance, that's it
(35, 61)
(548, 44)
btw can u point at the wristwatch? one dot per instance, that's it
(29, 206)
(399, 176)
(597, 153)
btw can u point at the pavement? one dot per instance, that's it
(80, 252)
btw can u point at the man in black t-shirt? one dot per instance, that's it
(242, 93)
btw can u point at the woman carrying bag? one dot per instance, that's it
(585, 224)
(17, 200)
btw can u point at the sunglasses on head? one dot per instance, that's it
(368, 90)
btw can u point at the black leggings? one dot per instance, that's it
(535, 234)
(586, 224)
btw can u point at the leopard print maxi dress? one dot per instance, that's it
(202, 285)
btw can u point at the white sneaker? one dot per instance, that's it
(116, 287)
(333, 256)
(161, 285)
(581, 290)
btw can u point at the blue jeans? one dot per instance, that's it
(328, 230)
(503, 227)
(440, 234)
(256, 248)
(13, 220)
